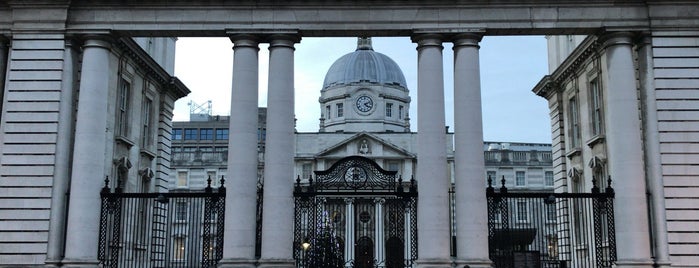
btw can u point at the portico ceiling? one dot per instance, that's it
(349, 18)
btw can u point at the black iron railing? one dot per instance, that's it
(176, 229)
(552, 230)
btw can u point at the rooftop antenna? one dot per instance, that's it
(199, 112)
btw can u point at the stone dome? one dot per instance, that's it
(364, 65)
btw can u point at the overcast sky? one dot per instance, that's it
(510, 67)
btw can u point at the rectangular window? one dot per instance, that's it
(389, 109)
(147, 111)
(393, 166)
(548, 178)
(340, 109)
(178, 248)
(211, 174)
(574, 123)
(221, 134)
(327, 111)
(306, 170)
(400, 111)
(522, 213)
(189, 149)
(181, 211)
(122, 116)
(177, 134)
(206, 134)
(261, 135)
(551, 212)
(596, 108)
(190, 133)
(520, 179)
(182, 178)
(490, 174)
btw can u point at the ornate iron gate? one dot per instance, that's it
(176, 229)
(355, 214)
(551, 230)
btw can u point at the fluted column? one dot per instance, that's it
(278, 205)
(241, 199)
(624, 145)
(61, 181)
(88, 155)
(433, 185)
(469, 166)
(652, 151)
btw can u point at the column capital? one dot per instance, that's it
(609, 39)
(283, 40)
(97, 40)
(245, 40)
(467, 39)
(427, 40)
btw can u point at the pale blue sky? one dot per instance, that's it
(510, 67)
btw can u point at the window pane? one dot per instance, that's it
(206, 134)
(340, 110)
(221, 133)
(182, 179)
(389, 109)
(177, 134)
(548, 178)
(190, 133)
(519, 178)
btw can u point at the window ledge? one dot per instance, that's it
(148, 153)
(574, 152)
(126, 141)
(595, 140)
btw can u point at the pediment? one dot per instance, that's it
(367, 145)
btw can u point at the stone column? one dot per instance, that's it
(64, 142)
(349, 231)
(88, 155)
(278, 205)
(3, 66)
(241, 199)
(378, 229)
(651, 140)
(624, 145)
(469, 173)
(433, 184)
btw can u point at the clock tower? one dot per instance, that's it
(364, 91)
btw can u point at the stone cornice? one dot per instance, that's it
(152, 69)
(571, 65)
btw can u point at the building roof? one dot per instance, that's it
(364, 65)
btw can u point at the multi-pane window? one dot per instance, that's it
(180, 211)
(548, 178)
(340, 109)
(520, 179)
(393, 166)
(574, 123)
(178, 248)
(522, 214)
(221, 134)
(206, 134)
(551, 212)
(400, 111)
(261, 134)
(122, 116)
(306, 170)
(146, 112)
(176, 134)
(182, 178)
(596, 108)
(327, 111)
(190, 133)
(211, 174)
(389, 109)
(491, 174)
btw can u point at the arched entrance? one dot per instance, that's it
(355, 214)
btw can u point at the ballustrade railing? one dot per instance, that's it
(175, 229)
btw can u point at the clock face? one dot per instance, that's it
(364, 104)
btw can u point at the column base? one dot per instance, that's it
(53, 263)
(237, 263)
(433, 263)
(634, 264)
(473, 263)
(662, 264)
(277, 263)
(80, 263)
